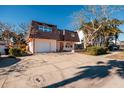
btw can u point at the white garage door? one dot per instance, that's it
(43, 47)
(2, 49)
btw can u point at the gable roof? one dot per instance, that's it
(56, 34)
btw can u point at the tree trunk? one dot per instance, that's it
(85, 43)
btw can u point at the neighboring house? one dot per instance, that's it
(2, 46)
(44, 37)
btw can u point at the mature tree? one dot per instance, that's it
(14, 33)
(6, 32)
(23, 28)
(97, 22)
(22, 31)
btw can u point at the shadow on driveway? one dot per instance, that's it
(7, 61)
(92, 72)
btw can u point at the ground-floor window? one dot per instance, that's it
(68, 45)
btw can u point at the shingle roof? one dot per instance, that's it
(45, 35)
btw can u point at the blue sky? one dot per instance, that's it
(58, 15)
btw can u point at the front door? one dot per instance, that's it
(61, 46)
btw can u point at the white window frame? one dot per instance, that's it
(40, 27)
(45, 29)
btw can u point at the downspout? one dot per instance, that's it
(33, 41)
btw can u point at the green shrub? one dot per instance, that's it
(23, 53)
(94, 50)
(15, 52)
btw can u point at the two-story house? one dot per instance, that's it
(45, 37)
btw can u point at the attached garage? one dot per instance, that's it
(42, 45)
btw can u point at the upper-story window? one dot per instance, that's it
(45, 29)
(40, 27)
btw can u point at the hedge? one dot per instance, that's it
(95, 50)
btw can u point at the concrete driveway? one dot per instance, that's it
(61, 70)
